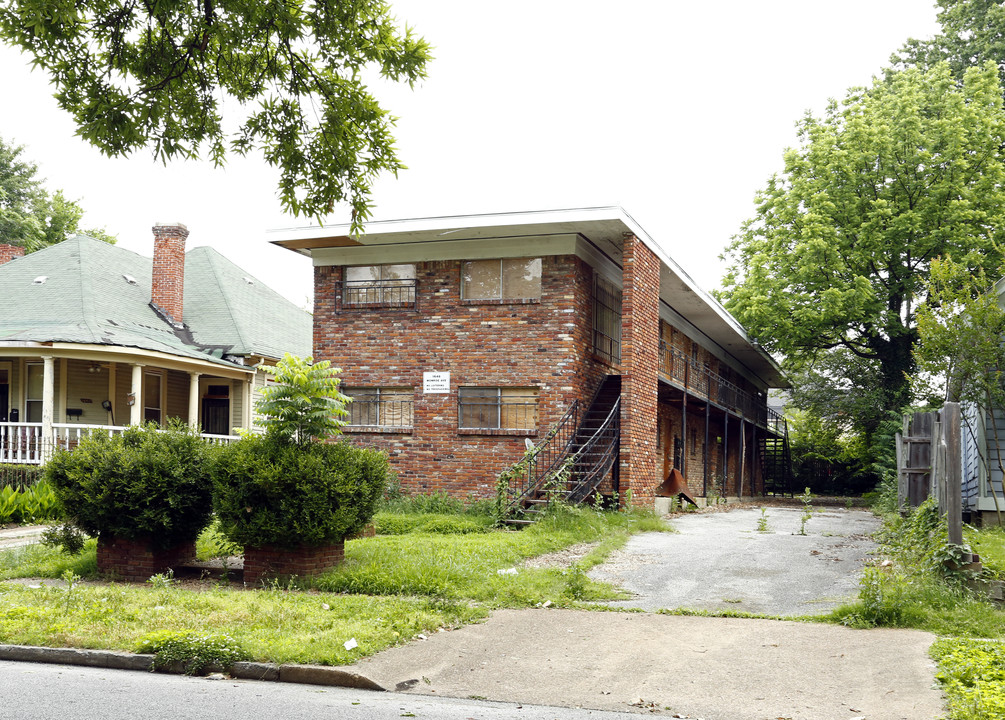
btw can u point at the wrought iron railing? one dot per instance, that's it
(693, 376)
(595, 458)
(364, 295)
(547, 458)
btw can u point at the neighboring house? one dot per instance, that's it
(93, 336)
(983, 450)
(467, 340)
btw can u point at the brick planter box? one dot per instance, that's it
(267, 562)
(137, 560)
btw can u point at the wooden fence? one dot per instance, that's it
(929, 463)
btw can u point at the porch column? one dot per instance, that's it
(640, 339)
(136, 390)
(193, 399)
(48, 402)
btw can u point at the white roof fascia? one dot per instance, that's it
(518, 224)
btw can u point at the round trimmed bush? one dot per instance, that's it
(268, 491)
(145, 483)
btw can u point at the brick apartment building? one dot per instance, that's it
(465, 341)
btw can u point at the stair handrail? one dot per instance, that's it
(534, 477)
(590, 477)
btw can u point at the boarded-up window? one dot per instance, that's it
(497, 408)
(381, 406)
(506, 279)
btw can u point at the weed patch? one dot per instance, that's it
(972, 674)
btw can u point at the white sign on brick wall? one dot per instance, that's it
(436, 382)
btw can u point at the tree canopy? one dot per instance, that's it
(837, 255)
(973, 32)
(190, 79)
(31, 217)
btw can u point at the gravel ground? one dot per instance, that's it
(720, 561)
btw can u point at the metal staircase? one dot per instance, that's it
(776, 458)
(574, 458)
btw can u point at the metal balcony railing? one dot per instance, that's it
(364, 295)
(694, 377)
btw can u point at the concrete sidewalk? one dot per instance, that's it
(692, 667)
(18, 535)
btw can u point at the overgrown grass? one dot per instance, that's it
(484, 566)
(391, 588)
(46, 562)
(911, 586)
(989, 543)
(274, 625)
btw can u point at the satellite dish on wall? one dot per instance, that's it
(528, 443)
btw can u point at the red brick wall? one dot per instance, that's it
(168, 288)
(547, 345)
(641, 466)
(9, 252)
(136, 560)
(268, 562)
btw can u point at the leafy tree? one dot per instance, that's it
(973, 32)
(290, 74)
(961, 330)
(304, 404)
(29, 216)
(837, 255)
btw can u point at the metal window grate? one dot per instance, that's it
(606, 320)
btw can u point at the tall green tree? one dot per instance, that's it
(31, 217)
(838, 252)
(973, 32)
(289, 74)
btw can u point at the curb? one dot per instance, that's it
(115, 660)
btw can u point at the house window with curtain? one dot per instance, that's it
(606, 320)
(381, 407)
(379, 286)
(497, 408)
(505, 280)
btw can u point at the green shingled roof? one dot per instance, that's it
(98, 293)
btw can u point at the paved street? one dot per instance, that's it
(30, 691)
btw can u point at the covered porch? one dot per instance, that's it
(53, 394)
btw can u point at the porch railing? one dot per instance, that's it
(702, 382)
(23, 443)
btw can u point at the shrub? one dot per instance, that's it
(196, 652)
(144, 483)
(269, 491)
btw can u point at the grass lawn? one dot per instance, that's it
(438, 571)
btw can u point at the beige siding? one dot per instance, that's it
(84, 390)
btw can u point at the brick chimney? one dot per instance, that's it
(168, 287)
(9, 252)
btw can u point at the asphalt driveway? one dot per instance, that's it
(720, 561)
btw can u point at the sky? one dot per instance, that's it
(679, 112)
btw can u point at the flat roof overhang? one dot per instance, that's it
(604, 227)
